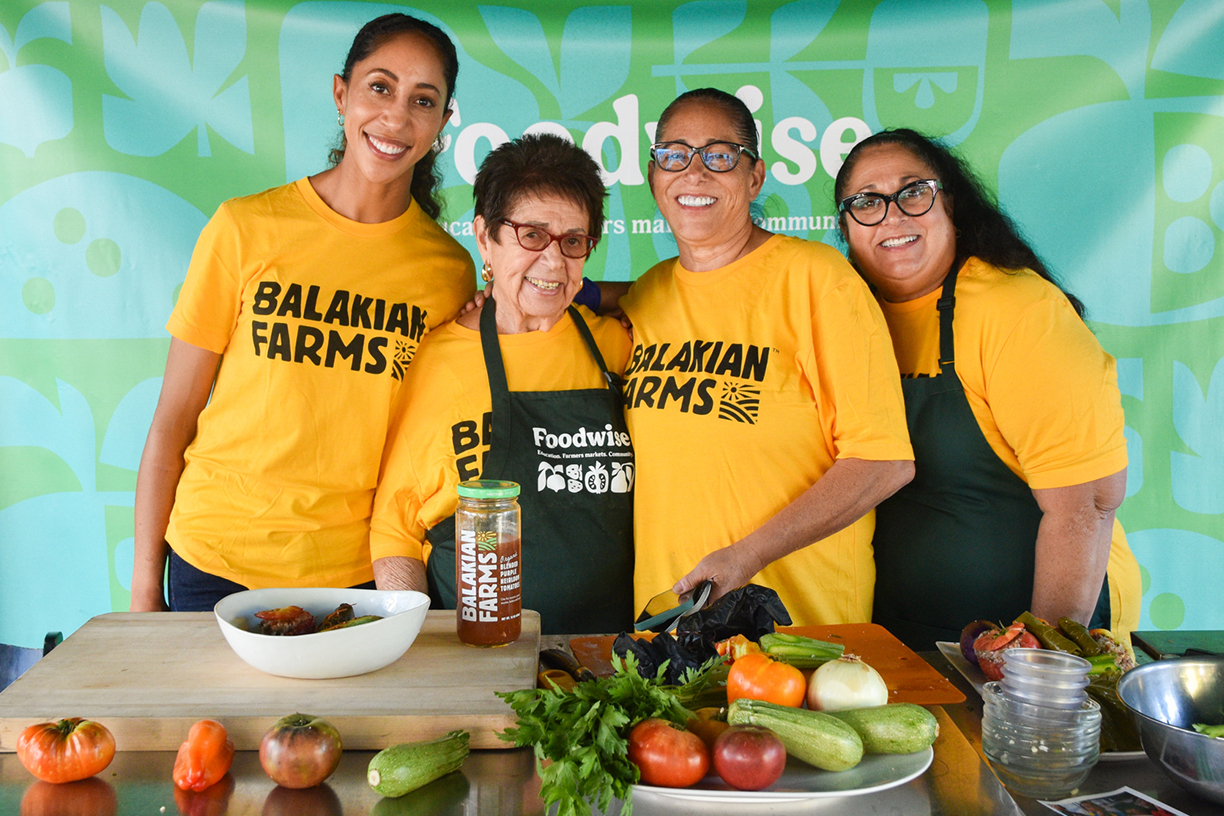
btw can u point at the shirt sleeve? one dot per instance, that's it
(858, 387)
(1053, 392)
(418, 471)
(206, 313)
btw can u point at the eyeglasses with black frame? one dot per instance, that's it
(576, 245)
(718, 157)
(914, 199)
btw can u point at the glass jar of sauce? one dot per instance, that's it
(488, 549)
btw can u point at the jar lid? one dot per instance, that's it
(488, 489)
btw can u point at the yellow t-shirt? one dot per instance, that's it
(1043, 391)
(317, 318)
(746, 384)
(440, 432)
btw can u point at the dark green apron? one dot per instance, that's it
(577, 496)
(958, 543)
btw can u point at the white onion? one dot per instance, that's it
(846, 682)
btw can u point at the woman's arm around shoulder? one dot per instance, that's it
(190, 372)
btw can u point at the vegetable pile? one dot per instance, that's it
(584, 733)
(595, 740)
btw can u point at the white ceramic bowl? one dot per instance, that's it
(339, 653)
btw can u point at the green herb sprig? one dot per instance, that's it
(584, 732)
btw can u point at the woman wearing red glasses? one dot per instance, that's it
(762, 393)
(1013, 409)
(519, 390)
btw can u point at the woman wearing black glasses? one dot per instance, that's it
(762, 394)
(1013, 409)
(519, 390)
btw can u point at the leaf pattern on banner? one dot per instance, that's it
(168, 95)
(1191, 43)
(1197, 418)
(701, 23)
(595, 55)
(60, 533)
(1090, 28)
(595, 52)
(30, 420)
(38, 88)
(794, 26)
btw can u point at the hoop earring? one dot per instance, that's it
(339, 118)
(486, 272)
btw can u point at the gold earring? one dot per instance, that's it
(486, 272)
(339, 118)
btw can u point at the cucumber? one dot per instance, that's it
(403, 768)
(816, 738)
(893, 728)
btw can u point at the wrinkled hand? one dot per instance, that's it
(729, 568)
(478, 299)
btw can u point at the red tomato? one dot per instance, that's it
(204, 757)
(758, 676)
(749, 757)
(300, 751)
(65, 751)
(667, 755)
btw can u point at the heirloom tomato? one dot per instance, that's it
(667, 755)
(749, 757)
(300, 751)
(67, 750)
(758, 676)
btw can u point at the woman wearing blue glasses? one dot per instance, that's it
(762, 394)
(518, 389)
(1012, 404)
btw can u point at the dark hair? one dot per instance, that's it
(426, 178)
(982, 229)
(538, 164)
(733, 106)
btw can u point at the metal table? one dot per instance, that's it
(504, 782)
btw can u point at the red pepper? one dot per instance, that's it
(204, 758)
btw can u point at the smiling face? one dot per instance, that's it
(704, 209)
(532, 289)
(904, 257)
(393, 106)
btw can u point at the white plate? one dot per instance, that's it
(975, 677)
(801, 781)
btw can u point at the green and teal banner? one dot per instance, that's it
(124, 123)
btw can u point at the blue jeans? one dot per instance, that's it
(193, 590)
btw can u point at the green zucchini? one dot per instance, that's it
(403, 768)
(893, 728)
(818, 739)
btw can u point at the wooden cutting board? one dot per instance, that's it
(148, 676)
(910, 679)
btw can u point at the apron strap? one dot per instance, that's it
(498, 389)
(612, 380)
(946, 305)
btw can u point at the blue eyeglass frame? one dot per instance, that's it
(740, 150)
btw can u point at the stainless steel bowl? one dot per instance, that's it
(1167, 697)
